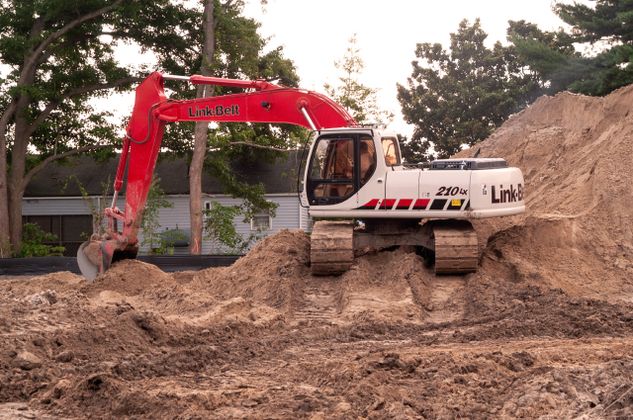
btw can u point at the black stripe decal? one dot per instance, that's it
(438, 204)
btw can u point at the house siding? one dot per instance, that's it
(288, 215)
(56, 206)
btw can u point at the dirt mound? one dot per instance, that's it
(388, 286)
(132, 277)
(577, 234)
(271, 273)
(276, 273)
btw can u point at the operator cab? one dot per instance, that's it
(341, 162)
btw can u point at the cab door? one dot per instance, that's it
(345, 168)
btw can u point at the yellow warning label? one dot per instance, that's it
(456, 202)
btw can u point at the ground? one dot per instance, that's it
(265, 339)
(544, 329)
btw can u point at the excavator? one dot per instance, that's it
(358, 191)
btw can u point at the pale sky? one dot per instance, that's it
(314, 34)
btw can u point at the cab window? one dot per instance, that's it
(340, 165)
(390, 150)
(332, 168)
(367, 159)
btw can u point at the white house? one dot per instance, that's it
(54, 199)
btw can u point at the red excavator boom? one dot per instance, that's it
(264, 103)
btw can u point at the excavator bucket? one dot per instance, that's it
(88, 259)
(96, 256)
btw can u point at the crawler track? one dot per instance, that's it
(331, 248)
(454, 243)
(456, 248)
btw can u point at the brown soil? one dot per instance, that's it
(543, 330)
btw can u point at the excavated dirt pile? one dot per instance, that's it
(543, 330)
(575, 152)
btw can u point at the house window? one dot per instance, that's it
(206, 211)
(261, 221)
(71, 230)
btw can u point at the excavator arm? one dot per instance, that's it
(264, 103)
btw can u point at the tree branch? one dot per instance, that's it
(115, 34)
(259, 146)
(37, 168)
(227, 5)
(37, 28)
(76, 92)
(44, 57)
(6, 117)
(31, 60)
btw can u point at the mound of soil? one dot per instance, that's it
(388, 286)
(543, 330)
(276, 274)
(577, 234)
(272, 273)
(131, 278)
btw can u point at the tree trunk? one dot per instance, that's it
(15, 216)
(16, 175)
(5, 226)
(195, 188)
(200, 135)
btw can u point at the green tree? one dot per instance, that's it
(96, 207)
(38, 243)
(58, 55)
(606, 32)
(549, 56)
(456, 97)
(220, 226)
(358, 99)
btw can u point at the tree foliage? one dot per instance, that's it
(606, 33)
(237, 51)
(358, 99)
(150, 224)
(58, 55)
(95, 206)
(457, 96)
(38, 243)
(220, 226)
(242, 53)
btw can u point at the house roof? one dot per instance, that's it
(64, 180)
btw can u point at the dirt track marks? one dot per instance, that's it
(319, 301)
(447, 302)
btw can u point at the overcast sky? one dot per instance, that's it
(314, 34)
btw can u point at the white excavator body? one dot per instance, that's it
(380, 186)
